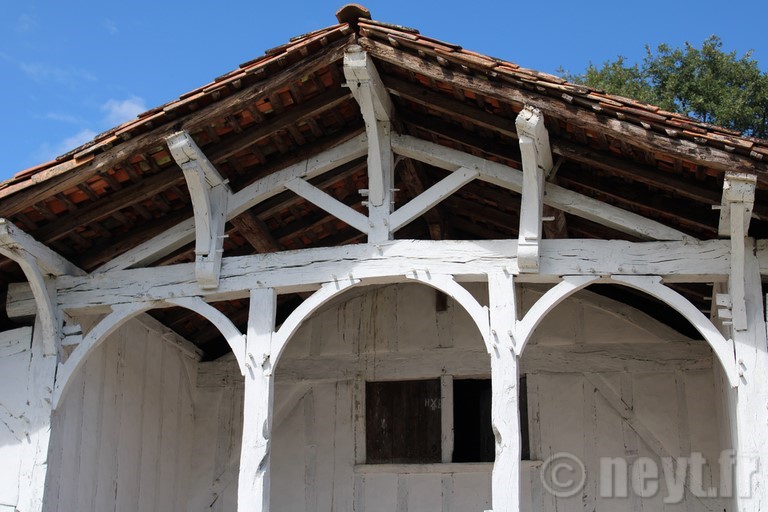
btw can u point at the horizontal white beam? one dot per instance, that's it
(382, 262)
(328, 203)
(555, 196)
(260, 190)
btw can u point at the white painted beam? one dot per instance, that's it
(260, 190)
(39, 264)
(209, 193)
(466, 260)
(555, 196)
(505, 416)
(737, 188)
(735, 214)
(254, 478)
(537, 164)
(376, 106)
(430, 197)
(328, 203)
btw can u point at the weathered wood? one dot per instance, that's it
(376, 106)
(505, 414)
(329, 203)
(555, 196)
(469, 261)
(209, 193)
(749, 414)
(256, 233)
(431, 197)
(254, 479)
(537, 164)
(412, 175)
(262, 189)
(638, 136)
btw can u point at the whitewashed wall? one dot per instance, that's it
(395, 332)
(14, 393)
(122, 438)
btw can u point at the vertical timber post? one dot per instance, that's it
(505, 484)
(254, 478)
(751, 404)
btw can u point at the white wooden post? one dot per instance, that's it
(34, 461)
(505, 483)
(751, 404)
(376, 106)
(254, 478)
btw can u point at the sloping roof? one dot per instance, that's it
(123, 188)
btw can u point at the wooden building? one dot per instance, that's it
(372, 271)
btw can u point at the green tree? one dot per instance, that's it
(705, 83)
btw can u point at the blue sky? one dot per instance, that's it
(70, 70)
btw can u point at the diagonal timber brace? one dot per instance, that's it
(210, 194)
(537, 164)
(376, 106)
(735, 214)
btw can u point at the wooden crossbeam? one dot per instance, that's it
(260, 190)
(328, 203)
(558, 197)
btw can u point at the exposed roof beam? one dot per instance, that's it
(210, 194)
(638, 136)
(256, 233)
(537, 164)
(737, 188)
(260, 190)
(558, 197)
(413, 180)
(328, 203)
(376, 106)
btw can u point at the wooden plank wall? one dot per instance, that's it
(397, 332)
(122, 438)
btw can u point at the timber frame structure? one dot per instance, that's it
(368, 154)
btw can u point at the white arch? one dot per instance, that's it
(124, 312)
(119, 315)
(448, 285)
(311, 304)
(651, 285)
(554, 296)
(328, 291)
(231, 333)
(722, 348)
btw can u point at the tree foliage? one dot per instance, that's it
(705, 83)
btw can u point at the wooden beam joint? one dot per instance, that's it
(537, 164)
(210, 194)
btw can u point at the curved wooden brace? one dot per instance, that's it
(231, 333)
(119, 315)
(554, 296)
(45, 308)
(124, 312)
(450, 287)
(722, 348)
(311, 304)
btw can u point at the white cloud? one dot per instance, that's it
(26, 23)
(47, 73)
(63, 117)
(120, 111)
(111, 27)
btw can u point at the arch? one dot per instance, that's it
(651, 285)
(328, 291)
(124, 312)
(311, 304)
